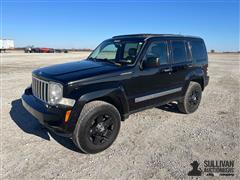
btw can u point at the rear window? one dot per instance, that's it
(179, 51)
(198, 49)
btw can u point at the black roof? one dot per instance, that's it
(151, 35)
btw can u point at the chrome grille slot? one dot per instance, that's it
(40, 89)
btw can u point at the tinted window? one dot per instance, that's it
(198, 50)
(188, 51)
(109, 52)
(158, 50)
(179, 51)
(131, 51)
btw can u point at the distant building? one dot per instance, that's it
(6, 44)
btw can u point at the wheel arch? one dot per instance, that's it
(194, 79)
(196, 76)
(115, 101)
(115, 96)
(200, 81)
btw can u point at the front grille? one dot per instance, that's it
(40, 89)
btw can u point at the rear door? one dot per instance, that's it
(181, 62)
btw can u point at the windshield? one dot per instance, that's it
(116, 51)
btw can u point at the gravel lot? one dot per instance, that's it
(156, 143)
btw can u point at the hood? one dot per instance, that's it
(73, 71)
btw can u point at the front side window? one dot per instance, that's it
(178, 51)
(117, 51)
(158, 50)
(131, 51)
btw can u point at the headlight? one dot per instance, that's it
(55, 92)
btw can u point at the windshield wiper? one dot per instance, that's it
(108, 61)
(91, 58)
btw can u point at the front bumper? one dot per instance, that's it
(52, 117)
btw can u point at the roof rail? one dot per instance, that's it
(151, 35)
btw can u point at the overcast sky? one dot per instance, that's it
(84, 24)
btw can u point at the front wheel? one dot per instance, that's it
(192, 98)
(97, 127)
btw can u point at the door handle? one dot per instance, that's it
(167, 70)
(189, 65)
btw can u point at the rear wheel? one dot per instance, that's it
(192, 98)
(97, 127)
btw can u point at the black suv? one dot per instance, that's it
(87, 99)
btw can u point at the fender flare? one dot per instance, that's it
(117, 95)
(197, 75)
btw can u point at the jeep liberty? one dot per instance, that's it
(87, 100)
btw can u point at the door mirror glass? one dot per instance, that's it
(151, 62)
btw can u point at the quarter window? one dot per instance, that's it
(158, 50)
(178, 51)
(198, 50)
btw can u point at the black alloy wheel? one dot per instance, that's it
(192, 98)
(97, 127)
(102, 129)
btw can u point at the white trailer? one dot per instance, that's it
(6, 44)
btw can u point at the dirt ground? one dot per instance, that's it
(156, 143)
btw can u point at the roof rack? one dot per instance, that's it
(150, 35)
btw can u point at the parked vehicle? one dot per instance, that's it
(6, 44)
(86, 100)
(46, 50)
(31, 49)
(57, 50)
(28, 49)
(60, 51)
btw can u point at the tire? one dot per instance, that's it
(97, 127)
(192, 98)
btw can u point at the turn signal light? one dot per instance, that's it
(67, 115)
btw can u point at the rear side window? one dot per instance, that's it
(158, 50)
(198, 49)
(179, 51)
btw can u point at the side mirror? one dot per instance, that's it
(151, 62)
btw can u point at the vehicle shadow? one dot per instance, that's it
(30, 125)
(170, 107)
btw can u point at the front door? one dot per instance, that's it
(152, 85)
